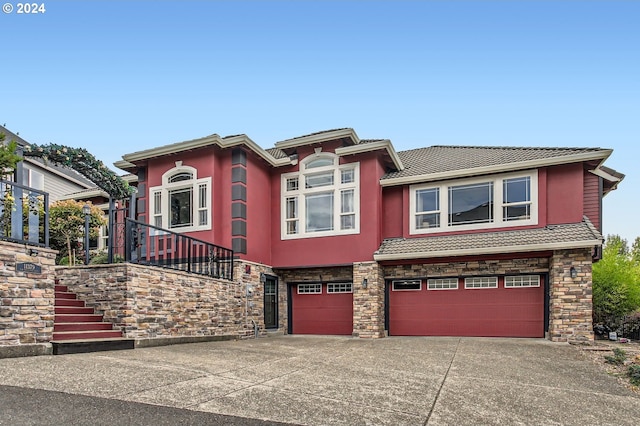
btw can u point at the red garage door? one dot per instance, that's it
(322, 308)
(511, 306)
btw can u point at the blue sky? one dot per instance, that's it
(117, 77)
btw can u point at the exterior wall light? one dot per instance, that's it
(573, 273)
(365, 283)
(33, 252)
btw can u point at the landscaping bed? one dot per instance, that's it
(621, 360)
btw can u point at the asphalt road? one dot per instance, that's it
(31, 407)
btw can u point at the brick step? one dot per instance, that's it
(91, 345)
(69, 302)
(61, 288)
(65, 295)
(83, 335)
(73, 310)
(81, 326)
(60, 318)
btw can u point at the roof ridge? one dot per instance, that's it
(544, 148)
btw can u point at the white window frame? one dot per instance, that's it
(497, 221)
(311, 288)
(480, 283)
(442, 283)
(334, 288)
(300, 193)
(198, 205)
(521, 281)
(393, 285)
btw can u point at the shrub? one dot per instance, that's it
(634, 374)
(618, 358)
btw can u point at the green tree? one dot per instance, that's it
(8, 157)
(66, 226)
(635, 250)
(616, 283)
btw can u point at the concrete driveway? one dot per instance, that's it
(339, 380)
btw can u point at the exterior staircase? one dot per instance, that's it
(78, 329)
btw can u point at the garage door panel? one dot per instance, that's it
(324, 313)
(494, 312)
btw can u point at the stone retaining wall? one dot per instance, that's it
(148, 302)
(26, 300)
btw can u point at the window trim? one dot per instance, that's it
(336, 189)
(393, 285)
(498, 203)
(528, 276)
(338, 288)
(317, 288)
(434, 280)
(494, 284)
(164, 191)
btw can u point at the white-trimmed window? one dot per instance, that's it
(442, 284)
(481, 282)
(322, 199)
(406, 285)
(487, 202)
(340, 288)
(309, 288)
(520, 281)
(183, 202)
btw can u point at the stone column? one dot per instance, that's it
(570, 301)
(368, 303)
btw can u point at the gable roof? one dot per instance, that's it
(276, 156)
(551, 237)
(443, 162)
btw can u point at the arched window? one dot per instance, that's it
(322, 199)
(183, 202)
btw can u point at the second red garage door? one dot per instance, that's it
(511, 306)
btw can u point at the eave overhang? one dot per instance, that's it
(373, 146)
(490, 250)
(128, 160)
(601, 155)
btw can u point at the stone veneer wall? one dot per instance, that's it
(247, 274)
(26, 301)
(316, 275)
(535, 265)
(150, 302)
(571, 304)
(368, 303)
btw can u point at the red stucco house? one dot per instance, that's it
(355, 238)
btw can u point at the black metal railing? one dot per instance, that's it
(24, 214)
(150, 245)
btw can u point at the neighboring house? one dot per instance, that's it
(359, 239)
(56, 180)
(100, 198)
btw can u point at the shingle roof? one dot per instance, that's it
(277, 153)
(317, 133)
(572, 235)
(440, 159)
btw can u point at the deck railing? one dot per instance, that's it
(150, 245)
(24, 214)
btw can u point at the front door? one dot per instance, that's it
(271, 302)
